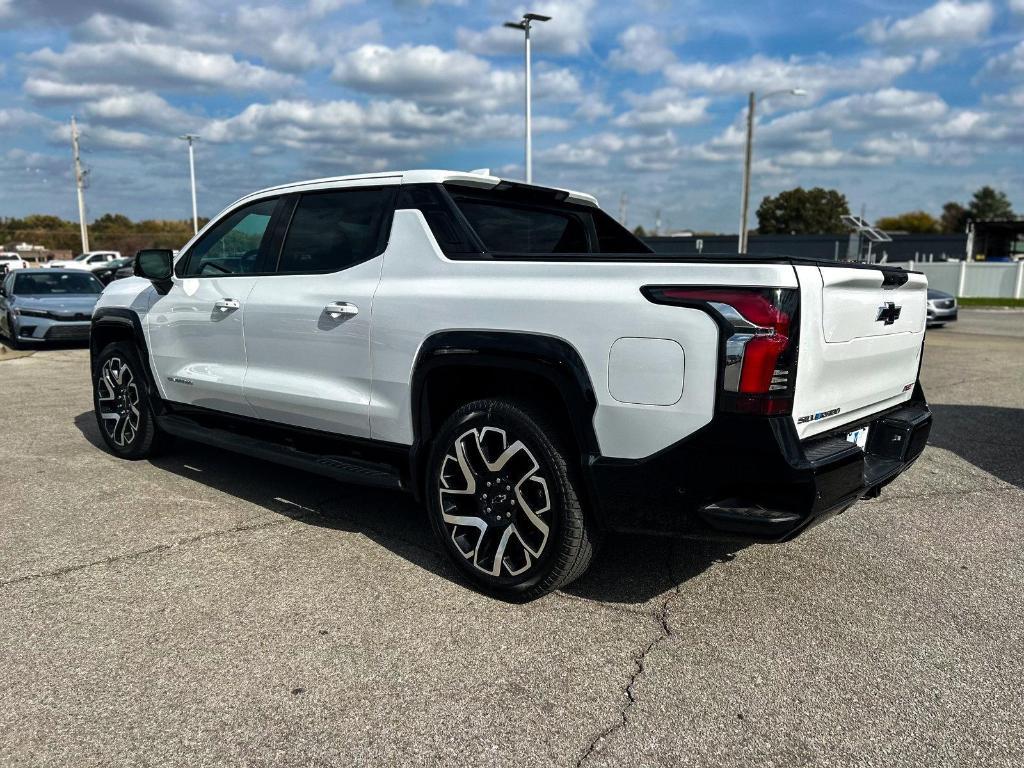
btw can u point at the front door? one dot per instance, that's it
(195, 329)
(307, 329)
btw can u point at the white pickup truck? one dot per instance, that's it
(521, 363)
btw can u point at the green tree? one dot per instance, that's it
(803, 212)
(639, 231)
(989, 203)
(954, 218)
(912, 221)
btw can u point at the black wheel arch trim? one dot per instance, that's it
(125, 323)
(549, 357)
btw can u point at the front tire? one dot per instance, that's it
(12, 334)
(124, 411)
(504, 500)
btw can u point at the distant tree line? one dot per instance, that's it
(819, 211)
(111, 231)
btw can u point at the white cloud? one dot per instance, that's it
(642, 48)
(817, 75)
(663, 108)
(1017, 6)
(948, 21)
(137, 107)
(16, 119)
(43, 89)
(568, 33)
(155, 65)
(970, 124)
(1007, 64)
(429, 74)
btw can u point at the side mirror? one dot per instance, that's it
(154, 264)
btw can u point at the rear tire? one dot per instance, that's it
(124, 410)
(504, 500)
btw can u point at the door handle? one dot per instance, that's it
(340, 308)
(226, 305)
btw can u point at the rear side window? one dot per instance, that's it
(516, 228)
(330, 231)
(232, 247)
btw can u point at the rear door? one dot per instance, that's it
(861, 336)
(195, 329)
(307, 327)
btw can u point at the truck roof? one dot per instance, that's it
(479, 179)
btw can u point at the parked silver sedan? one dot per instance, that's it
(942, 307)
(38, 305)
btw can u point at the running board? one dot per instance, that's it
(343, 468)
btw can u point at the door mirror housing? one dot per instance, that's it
(154, 264)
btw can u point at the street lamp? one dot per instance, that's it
(524, 25)
(745, 204)
(191, 138)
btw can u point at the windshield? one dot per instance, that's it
(81, 257)
(61, 283)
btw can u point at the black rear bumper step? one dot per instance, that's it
(343, 468)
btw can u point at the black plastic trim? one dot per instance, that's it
(549, 357)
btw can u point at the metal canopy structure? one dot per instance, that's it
(863, 231)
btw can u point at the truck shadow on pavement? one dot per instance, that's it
(630, 569)
(989, 437)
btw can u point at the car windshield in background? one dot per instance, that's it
(523, 221)
(58, 284)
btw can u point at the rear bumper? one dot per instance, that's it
(752, 479)
(942, 315)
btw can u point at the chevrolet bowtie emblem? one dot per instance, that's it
(888, 313)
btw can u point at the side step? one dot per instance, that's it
(343, 468)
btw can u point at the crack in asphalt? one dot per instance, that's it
(640, 664)
(242, 527)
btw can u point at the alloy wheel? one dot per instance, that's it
(495, 502)
(118, 398)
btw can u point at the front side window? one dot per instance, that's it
(232, 247)
(330, 231)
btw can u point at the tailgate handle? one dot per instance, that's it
(894, 278)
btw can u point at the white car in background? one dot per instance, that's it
(90, 260)
(9, 260)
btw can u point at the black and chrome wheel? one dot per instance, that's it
(123, 411)
(504, 501)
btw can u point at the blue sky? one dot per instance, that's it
(908, 105)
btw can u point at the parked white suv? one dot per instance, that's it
(90, 260)
(520, 362)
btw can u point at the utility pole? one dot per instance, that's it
(657, 222)
(524, 25)
(745, 202)
(79, 184)
(191, 138)
(623, 203)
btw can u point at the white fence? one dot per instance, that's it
(1004, 280)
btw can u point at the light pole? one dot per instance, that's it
(191, 138)
(524, 25)
(745, 203)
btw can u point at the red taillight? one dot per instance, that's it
(759, 365)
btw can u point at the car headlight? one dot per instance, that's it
(32, 312)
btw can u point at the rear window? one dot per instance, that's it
(61, 282)
(514, 219)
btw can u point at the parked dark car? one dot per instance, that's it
(38, 305)
(942, 308)
(113, 270)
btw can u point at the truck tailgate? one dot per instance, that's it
(861, 336)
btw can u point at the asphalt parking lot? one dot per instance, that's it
(206, 608)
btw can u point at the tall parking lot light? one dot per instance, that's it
(524, 25)
(745, 204)
(191, 138)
